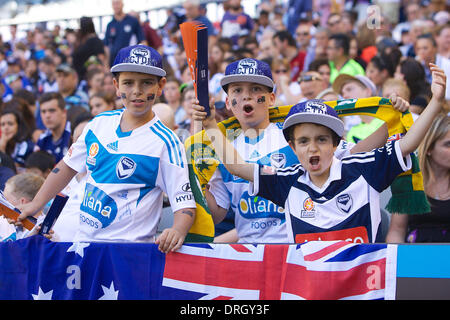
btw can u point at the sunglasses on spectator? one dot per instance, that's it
(302, 33)
(308, 78)
(281, 71)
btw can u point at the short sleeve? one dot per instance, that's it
(175, 179)
(219, 190)
(75, 157)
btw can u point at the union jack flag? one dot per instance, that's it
(313, 270)
(36, 268)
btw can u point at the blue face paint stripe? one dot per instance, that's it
(175, 138)
(165, 141)
(172, 140)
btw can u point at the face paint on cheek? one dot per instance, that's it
(234, 102)
(151, 97)
(123, 95)
(261, 99)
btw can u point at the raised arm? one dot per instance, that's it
(414, 136)
(227, 154)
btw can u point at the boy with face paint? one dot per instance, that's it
(326, 198)
(131, 158)
(249, 87)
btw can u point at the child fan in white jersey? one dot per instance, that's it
(131, 159)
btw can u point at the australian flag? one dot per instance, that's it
(36, 268)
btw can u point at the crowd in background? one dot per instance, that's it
(54, 81)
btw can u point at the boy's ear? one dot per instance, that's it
(291, 145)
(161, 83)
(227, 103)
(116, 85)
(272, 99)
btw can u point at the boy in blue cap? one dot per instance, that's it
(325, 198)
(131, 158)
(249, 87)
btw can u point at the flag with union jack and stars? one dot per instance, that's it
(36, 268)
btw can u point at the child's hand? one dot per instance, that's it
(200, 114)
(399, 103)
(170, 240)
(438, 82)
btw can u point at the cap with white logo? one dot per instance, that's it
(139, 58)
(313, 111)
(247, 70)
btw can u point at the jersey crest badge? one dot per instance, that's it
(344, 202)
(278, 160)
(125, 168)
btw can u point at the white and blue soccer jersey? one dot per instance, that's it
(127, 173)
(256, 219)
(346, 207)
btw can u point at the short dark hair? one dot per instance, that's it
(48, 96)
(428, 36)
(342, 41)
(40, 159)
(285, 35)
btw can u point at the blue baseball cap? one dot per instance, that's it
(139, 58)
(313, 111)
(247, 70)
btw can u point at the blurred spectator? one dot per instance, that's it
(323, 68)
(7, 169)
(263, 25)
(443, 40)
(303, 37)
(321, 37)
(94, 79)
(216, 57)
(15, 139)
(286, 45)
(365, 41)
(426, 53)
(40, 162)
(235, 22)
(88, 44)
(267, 50)
(412, 72)
(123, 30)
(186, 127)
(378, 71)
(413, 13)
(108, 84)
(193, 13)
(33, 75)
(334, 23)
(57, 138)
(338, 51)
(287, 92)
(22, 188)
(76, 100)
(100, 102)
(47, 82)
(172, 96)
(311, 84)
(297, 10)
